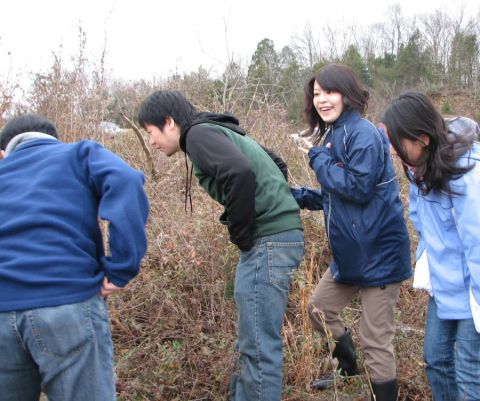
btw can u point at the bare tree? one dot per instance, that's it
(397, 23)
(437, 32)
(379, 39)
(306, 47)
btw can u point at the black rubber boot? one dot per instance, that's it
(386, 391)
(347, 361)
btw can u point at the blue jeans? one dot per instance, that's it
(68, 349)
(452, 357)
(262, 283)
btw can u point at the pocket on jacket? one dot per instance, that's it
(348, 252)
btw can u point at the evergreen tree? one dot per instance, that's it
(354, 60)
(291, 83)
(413, 63)
(263, 71)
(463, 61)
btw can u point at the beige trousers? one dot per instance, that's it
(377, 325)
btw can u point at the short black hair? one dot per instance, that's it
(165, 103)
(26, 123)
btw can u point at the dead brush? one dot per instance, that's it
(174, 328)
(180, 310)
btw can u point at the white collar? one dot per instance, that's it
(25, 137)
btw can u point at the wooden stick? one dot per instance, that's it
(132, 125)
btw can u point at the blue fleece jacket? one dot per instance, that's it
(52, 196)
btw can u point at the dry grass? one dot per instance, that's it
(175, 326)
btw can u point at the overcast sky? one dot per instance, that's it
(156, 38)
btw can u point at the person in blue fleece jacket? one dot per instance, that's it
(54, 272)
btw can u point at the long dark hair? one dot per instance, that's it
(410, 116)
(335, 78)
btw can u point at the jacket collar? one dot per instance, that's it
(347, 115)
(226, 120)
(20, 139)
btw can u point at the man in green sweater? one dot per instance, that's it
(263, 220)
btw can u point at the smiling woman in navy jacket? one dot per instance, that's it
(364, 222)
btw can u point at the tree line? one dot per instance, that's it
(435, 52)
(432, 52)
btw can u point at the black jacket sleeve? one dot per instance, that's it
(215, 155)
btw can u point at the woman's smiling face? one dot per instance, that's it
(329, 104)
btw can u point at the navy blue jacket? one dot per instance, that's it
(359, 195)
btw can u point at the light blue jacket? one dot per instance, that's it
(449, 229)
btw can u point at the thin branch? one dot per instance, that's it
(132, 125)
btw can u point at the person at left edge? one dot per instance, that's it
(54, 273)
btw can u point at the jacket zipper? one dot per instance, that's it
(329, 202)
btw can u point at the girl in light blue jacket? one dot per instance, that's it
(442, 161)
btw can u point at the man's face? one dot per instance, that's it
(166, 140)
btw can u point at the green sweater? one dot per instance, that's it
(275, 209)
